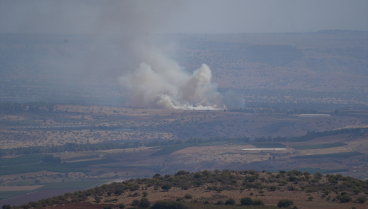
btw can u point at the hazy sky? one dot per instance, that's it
(193, 16)
(218, 16)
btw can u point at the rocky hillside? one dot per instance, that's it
(220, 189)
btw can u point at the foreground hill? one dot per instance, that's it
(220, 189)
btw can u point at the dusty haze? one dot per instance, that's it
(124, 50)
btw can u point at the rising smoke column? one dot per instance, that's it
(161, 83)
(156, 80)
(124, 49)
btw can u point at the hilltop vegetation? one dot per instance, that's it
(225, 187)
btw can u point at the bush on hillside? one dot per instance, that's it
(246, 201)
(345, 198)
(258, 202)
(284, 203)
(230, 201)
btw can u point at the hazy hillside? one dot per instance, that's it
(204, 189)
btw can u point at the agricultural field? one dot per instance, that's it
(90, 143)
(92, 124)
(333, 153)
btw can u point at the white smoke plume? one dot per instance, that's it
(161, 83)
(134, 59)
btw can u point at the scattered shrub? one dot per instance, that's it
(220, 202)
(206, 172)
(284, 203)
(230, 201)
(188, 196)
(166, 187)
(135, 203)
(133, 195)
(357, 190)
(182, 172)
(292, 178)
(361, 199)
(283, 182)
(144, 203)
(219, 189)
(98, 199)
(345, 198)
(197, 175)
(198, 183)
(258, 202)
(273, 188)
(246, 201)
(185, 187)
